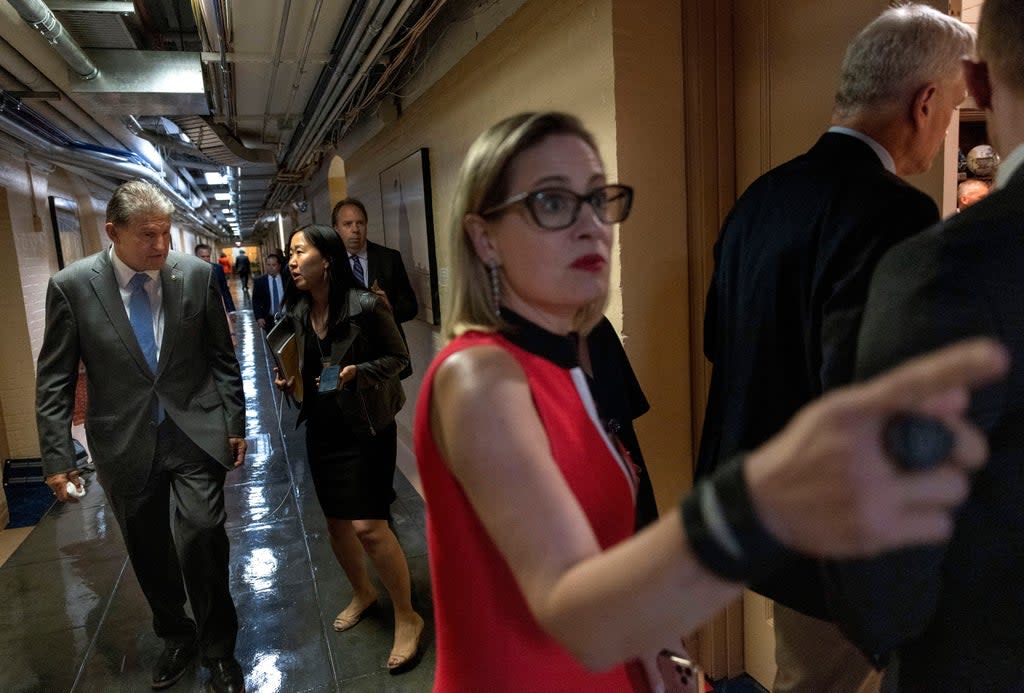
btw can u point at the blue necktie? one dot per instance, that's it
(357, 269)
(273, 295)
(140, 314)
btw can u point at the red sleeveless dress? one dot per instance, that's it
(487, 639)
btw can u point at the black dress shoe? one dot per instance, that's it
(173, 663)
(225, 676)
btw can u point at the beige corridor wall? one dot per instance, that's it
(26, 241)
(787, 66)
(648, 48)
(27, 244)
(551, 54)
(618, 65)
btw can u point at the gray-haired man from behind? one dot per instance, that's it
(165, 420)
(792, 267)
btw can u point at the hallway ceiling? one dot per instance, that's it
(256, 91)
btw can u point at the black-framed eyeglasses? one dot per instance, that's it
(558, 208)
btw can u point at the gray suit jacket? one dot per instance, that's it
(197, 380)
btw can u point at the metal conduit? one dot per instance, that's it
(104, 163)
(301, 69)
(37, 15)
(281, 31)
(337, 82)
(371, 57)
(10, 84)
(335, 102)
(341, 82)
(356, 20)
(26, 73)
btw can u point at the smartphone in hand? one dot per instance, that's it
(679, 674)
(330, 378)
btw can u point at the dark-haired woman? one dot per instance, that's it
(347, 334)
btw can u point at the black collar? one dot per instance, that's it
(561, 350)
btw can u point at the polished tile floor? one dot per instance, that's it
(74, 619)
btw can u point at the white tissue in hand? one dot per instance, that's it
(74, 490)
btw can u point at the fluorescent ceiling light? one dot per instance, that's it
(222, 196)
(215, 178)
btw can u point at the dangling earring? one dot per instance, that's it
(492, 271)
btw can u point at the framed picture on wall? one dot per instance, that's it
(408, 218)
(67, 230)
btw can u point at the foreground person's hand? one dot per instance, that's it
(825, 485)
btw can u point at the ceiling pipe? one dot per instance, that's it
(299, 156)
(372, 94)
(369, 27)
(371, 58)
(12, 86)
(183, 162)
(202, 13)
(103, 163)
(26, 73)
(37, 15)
(337, 80)
(193, 186)
(282, 29)
(300, 70)
(357, 16)
(168, 142)
(208, 14)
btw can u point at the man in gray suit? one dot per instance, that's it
(165, 420)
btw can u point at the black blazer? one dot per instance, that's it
(261, 297)
(619, 400)
(222, 286)
(385, 267)
(242, 265)
(370, 340)
(957, 610)
(792, 266)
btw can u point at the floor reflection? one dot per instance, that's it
(260, 569)
(266, 675)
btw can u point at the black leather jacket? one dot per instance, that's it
(374, 345)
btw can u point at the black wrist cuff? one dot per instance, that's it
(723, 529)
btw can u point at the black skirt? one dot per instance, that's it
(353, 474)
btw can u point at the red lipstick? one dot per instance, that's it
(589, 263)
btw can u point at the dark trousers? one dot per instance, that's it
(192, 560)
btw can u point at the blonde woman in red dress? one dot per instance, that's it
(538, 581)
